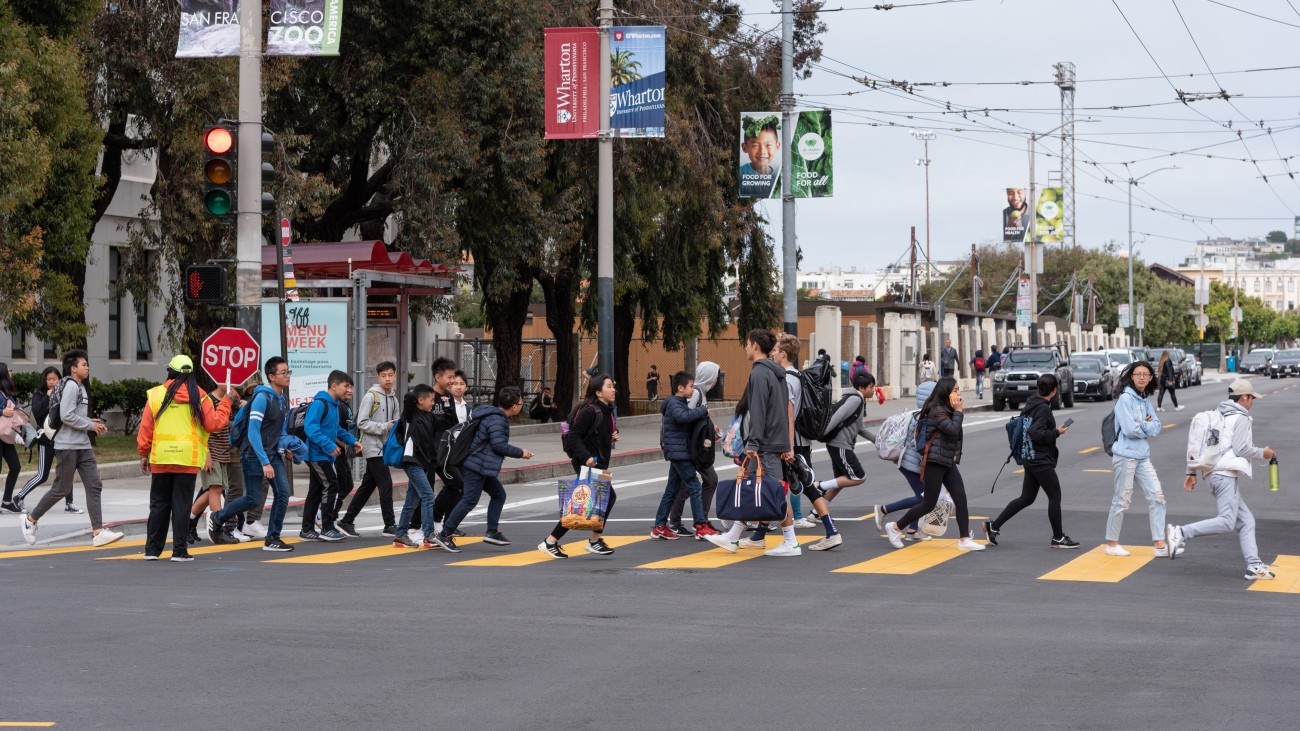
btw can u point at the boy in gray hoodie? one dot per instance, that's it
(378, 412)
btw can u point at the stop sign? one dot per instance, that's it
(230, 355)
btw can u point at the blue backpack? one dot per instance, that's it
(394, 447)
(1022, 449)
(239, 425)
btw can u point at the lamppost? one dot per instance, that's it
(1031, 245)
(925, 135)
(1132, 314)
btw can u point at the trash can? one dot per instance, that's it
(716, 393)
(1232, 364)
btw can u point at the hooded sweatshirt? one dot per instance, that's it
(706, 376)
(214, 418)
(851, 426)
(1236, 461)
(767, 423)
(1133, 429)
(323, 430)
(378, 409)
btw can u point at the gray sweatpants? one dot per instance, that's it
(1233, 516)
(82, 462)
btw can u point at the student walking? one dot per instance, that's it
(378, 412)
(173, 447)
(416, 432)
(979, 367)
(706, 375)
(1168, 376)
(215, 478)
(591, 438)
(480, 472)
(909, 464)
(1040, 466)
(1233, 515)
(326, 440)
(44, 446)
(9, 452)
(939, 440)
(675, 429)
(445, 415)
(1135, 424)
(928, 371)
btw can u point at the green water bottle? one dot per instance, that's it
(1274, 480)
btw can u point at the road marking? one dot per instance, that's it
(71, 549)
(528, 558)
(1020, 471)
(361, 554)
(26, 724)
(197, 550)
(911, 560)
(716, 558)
(1104, 472)
(1096, 566)
(1287, 570)
(1089, 450)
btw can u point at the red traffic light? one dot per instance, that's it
(205, 283)
(218, 140)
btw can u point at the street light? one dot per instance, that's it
(925, 135)
(1132, 314)
(1031, 262)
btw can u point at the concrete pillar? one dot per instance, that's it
(827, 326)
(855, 341)
(889, 366)
(872, 349)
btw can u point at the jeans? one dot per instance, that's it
(418, 490)
(170, 495)
(708, 489)
(979, 384)
(474, 487)
(1036, 478)
(1233, 516)
(681, 473)
(918, 489)
(377, 476)
(1127, 472)
(255, 495)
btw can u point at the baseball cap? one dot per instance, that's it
(1242, 387)
(181, 364)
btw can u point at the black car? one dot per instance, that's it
(1256, 361)
(1285, 363)
(1018, 377)
(1182, 369)
(1092, 378)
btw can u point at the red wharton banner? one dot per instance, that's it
(572, 83)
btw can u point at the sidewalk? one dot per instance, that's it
(125, 497)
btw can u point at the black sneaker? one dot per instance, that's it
(333, 535)
(599, 546)
(552, 549)
(309, 535)
(10, 506)
(216, 532)
(991, 534)
(181, 556)
(458, 533)
(347, 529)
(496, 538)
(389, 530)
(193, 536)
(1064, 542)
(404, 541)
(277, 545)
(681, 530)
(447, 543)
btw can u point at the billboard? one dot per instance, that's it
(636, 80)
(317, 338)
(760, 155)
(1050, 226)
(572, 71)
(304, 28)
(209, 29)
(1015, 217)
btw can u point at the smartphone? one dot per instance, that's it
(1067, 423)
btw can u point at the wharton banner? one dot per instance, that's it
(209, 29)
(636, 80)
(304, 28)
(572, 73)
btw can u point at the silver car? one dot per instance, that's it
(1119, 359)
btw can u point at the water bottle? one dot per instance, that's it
(1274, 480)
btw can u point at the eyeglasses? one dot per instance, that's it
(284, 373)
(1141, 375)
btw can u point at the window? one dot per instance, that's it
(848, 284)
(1256, 285)
(1268, 285)
(143, 342)
(1290, 285)
(18, 343)
(114, 303)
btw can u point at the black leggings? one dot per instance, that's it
(10, 454)
(939, 476)
(558, 532)
(1036, 478)
(1173, 396)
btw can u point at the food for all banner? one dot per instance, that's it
(1050, 227)
(636, 80)
(760, 155)
(304, 28)
(318, 342)
(812, 155)
(571, 78)
(209, 29)
(1015, 217)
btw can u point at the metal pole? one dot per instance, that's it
(1032, 247)
(929, 262)
(1132, 314)
(913, 274)
(605, 204)
(279, 267)
(248, 219)
(789, 248)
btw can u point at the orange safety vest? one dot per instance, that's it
(177, 438)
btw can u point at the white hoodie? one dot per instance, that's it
(1237, 423)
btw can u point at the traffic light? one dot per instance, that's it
(205, 283)
(219, 160)
(268, 173)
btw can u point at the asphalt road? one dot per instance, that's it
(662, 634)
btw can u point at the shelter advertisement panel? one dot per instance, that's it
(209, 29)
(636, 80)
(1015, 217)
(1050, 227)
(318, 342)
(304, 28)
(571, 78)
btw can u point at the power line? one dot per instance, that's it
(1257, 15)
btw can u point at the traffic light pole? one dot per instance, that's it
(248, 221)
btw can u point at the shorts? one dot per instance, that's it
(845, 463)
(218, 476)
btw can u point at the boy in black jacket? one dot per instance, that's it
(675, 439)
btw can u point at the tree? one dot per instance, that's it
(1276, 237)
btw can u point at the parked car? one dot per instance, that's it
(1256, 361)
(1140, 354)
(1092, 377)
(1021, 367)
(1194, 367)
(1182, 371)
(1285, 363)
(1119, 358)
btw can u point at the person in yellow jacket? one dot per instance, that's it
(173, 446)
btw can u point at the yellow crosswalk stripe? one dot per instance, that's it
(716, 558)
(910, 560)
(361, 554)
(534, 556)
(202, 550)
(1096, 566)
(27, 724)
(1089, 450)
(71, 549)
(1287, 570)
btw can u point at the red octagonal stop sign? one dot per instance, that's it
(230, 355)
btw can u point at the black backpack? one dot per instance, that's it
(567, 436)
(814, 399)
(452, 449)
(296, 421)
(703, 443)
(54, 420)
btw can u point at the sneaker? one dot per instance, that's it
(663, 533)
(11, 507)
(239, 535)
(193, 536)
(1064, 542)
(704, 530)
(254, 530)
(149, 557)
(446, 542)
(404, 541)
(347, 529)
(458, 533)
(29, 530)
(216, 533)
(599, 547)
(333, 535)
(966, 544)
(681, 530)
(1160, 408)
(1174, 540)
(72, 508)
(105, 537)
(991, 534)
(894, 535)
(1258, 571)
(552, 549)
(827, 543)
(496, 538)
(306, 535)
(721, 541)
(1179, 408)
(880, 518)
(751, 543)
(389, 530)
(416, 535)
(1164, 552)
(916, 536)
(1117, 551)
(803, 474)
(276, 545)
(181, 557)
(784, 550)
(805, 523)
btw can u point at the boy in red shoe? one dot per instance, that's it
(675, 440)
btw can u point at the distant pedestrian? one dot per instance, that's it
(9, 452)
(1168, 376)
(378, 411)
(948, 359)
(978, 366)
(44, 446)
(1136, 424)
(928, 371)
(592, 437)
(994, 362)
(652, 383)
(325, 442)
(859, 366)
(542, 408)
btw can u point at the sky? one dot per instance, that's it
(971, 54)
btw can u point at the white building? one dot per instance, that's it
(1238, 264)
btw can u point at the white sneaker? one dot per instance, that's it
(879, 511)
(917, 536)
(804, 523)
(29, 530)
(785, 549)
(1117, 551)
(437, 527)
(1164, 552)
(894, 535)
(415, 535)
(827, 543)
(966, 544)
(1174, 540)
(1259, 571)
(1160, 408)
(105, 537)
(254, 530)
(751, 543)
(239, 536)
(721, 541)
(1179, 408)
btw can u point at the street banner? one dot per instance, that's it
(1023, 317)
(1123, 316)
(571, 79)
(209, 29)
(318, 342)
(1015, 217)
(304, 28)
(812, 155)
(636, 80)
(760, 155)
(1050, 227)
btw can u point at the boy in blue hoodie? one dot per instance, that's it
(323, 436)
(675, 430)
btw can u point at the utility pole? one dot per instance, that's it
(914, 297)
(925, 135)
(1031, 247)
(605, 205)
(248, 196)
(974, 280)
(789, 248)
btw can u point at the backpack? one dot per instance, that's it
(703, 451)
(1207, 440)
(994, 361)
(394, 448)
(892, 437)
(814, 400)
(979, 364)
(1108, 434)
(452, 449)
(1022, 449)
(566, 429)
(295, 422)
(239, 424)
(833, 429)
(54, 419)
